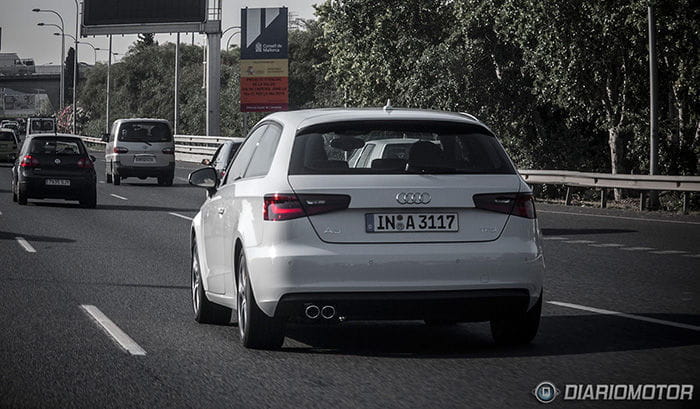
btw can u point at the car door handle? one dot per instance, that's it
(222, 210)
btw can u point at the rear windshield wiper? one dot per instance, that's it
(431, 169)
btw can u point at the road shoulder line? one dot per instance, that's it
(641, 219)
(624, 315)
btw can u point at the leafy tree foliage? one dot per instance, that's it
(561, 82)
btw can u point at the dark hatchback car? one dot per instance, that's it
(223, 156)
(54, 166)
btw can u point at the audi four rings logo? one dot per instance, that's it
(413, 198)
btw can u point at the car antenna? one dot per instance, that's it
(388, 107)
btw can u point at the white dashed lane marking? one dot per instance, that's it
(606, 245)
(25, 244)
(636, 248)
(579, 241)
(121, 337)
(118, 197)
(624, 315)
(555, 238)
(668, 252)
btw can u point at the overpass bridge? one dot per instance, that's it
(30, 84)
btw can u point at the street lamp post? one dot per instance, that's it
(75, 63)
(63, 51)
(93, 49)
(228, 43)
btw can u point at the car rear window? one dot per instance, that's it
(398, 147)
(56, 146)
(6, 136)
(42, 125)
(145, 132)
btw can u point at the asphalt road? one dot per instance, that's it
(130, 259)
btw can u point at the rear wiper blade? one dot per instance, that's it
(430, 169)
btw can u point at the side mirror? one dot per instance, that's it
(206, 178)
(206, 162)
(105, 137)
(92, 158)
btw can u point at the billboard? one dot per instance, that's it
(264, 60)
(141, 16)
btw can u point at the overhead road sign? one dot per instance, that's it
(104, 17)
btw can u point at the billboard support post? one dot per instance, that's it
(109, 84)
(177, 81)
(213, 31)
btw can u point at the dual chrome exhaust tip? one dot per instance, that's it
(312, 312)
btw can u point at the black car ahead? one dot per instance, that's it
(223, 156)
(54, 166)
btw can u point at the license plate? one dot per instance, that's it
(411, 222)
(57, 182)
(144, 159)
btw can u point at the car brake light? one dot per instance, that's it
(290, 206)
(28, 161)
(168, 151)
(85, 163)
(282, 207)
(120, 149)
(516, 204)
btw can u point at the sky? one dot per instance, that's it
(21, 35)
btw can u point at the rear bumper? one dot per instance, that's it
(281, 272)
(36, 188)
(473, 305)
(145, 171)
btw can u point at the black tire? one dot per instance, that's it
(21, 196)
(14, 195)
(257, 330)
(161, 181)
(108, 177)
(518, 330)
(116, 179)
(168, 181)
(205, 311)
(90, 200)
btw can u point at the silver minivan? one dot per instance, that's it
(142, 148)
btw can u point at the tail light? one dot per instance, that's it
(516, 204)
(168, 151)
(28, 161)
(85, 163)
(120, 149)
(290, 206)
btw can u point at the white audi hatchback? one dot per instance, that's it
(445, 234)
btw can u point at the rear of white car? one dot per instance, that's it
(448, 234)
(140, 148)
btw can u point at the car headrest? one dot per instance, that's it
(389, 163)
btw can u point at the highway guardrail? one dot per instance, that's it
(194, 148)
(605, 181)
